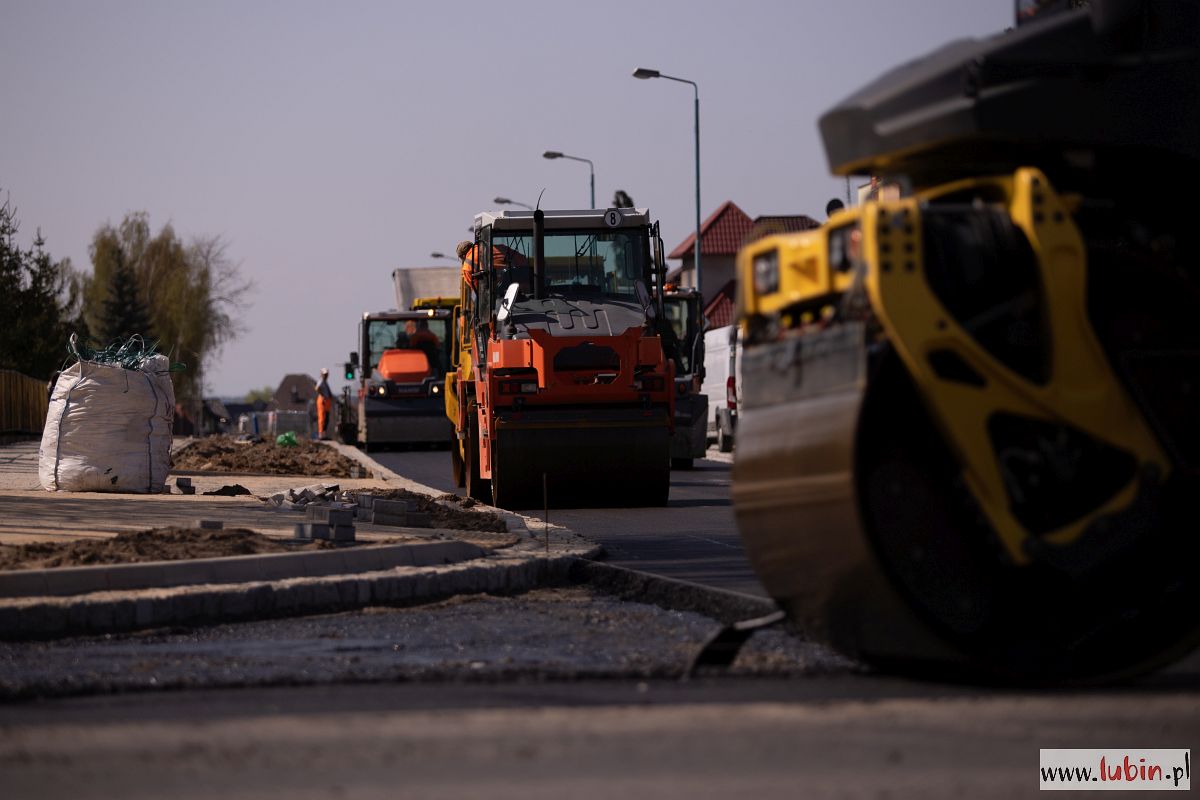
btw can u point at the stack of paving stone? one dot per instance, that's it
(378, 511)
(334, 522)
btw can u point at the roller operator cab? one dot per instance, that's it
(404, 359)
(969, 438)
(562, 392)
(683, 340)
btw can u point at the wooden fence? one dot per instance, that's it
(23, 403)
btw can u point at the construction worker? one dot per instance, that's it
(502, 257)
(324, 403)
(420, 333)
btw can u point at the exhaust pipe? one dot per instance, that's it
(539, 252)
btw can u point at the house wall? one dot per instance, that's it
(718, 270)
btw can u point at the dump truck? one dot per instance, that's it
(398, 370)
(968, 441)
(562, 392)
(683, 332)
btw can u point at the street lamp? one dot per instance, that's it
(436, 254)
(553, 154)
(645, 74)
(504, 201)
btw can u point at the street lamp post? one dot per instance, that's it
(645, 74)
(552, 154)
(436, 254)
(504, 201)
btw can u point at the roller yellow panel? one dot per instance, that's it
(804, 273)
(1081, 390)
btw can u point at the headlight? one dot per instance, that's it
(845, 247)
(381, 391)
(766, 272)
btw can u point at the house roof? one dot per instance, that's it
(719, 311)
(769, 224)
(721, 234)
(305, 387)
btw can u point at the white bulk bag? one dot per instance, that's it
(109, 429)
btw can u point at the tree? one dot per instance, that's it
(264, 395)
(124, 313)
(36, 302)
(193, 292)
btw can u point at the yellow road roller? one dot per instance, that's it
(970, 434)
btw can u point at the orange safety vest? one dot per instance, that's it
(501, 257)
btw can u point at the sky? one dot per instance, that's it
(330, 143)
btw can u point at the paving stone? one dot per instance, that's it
(310, 530)
(236, 604)
(143, 612)
(210, 524)
(396, 507)
(10, 619)
(124, 614)
(98, 616)
(397, 520)
(342, 533)
(330, 515)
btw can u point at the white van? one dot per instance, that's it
(722, 383)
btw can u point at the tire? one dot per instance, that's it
(724, 440)
(458, 467)
(683, 463)
(477, 487)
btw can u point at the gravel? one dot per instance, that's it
(550, 634)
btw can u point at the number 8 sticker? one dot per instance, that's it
(612, 218)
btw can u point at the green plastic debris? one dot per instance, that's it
(287, 439)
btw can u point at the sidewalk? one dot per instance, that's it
(513, 562)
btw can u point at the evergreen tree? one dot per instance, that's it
(124, 313)
(34, 333)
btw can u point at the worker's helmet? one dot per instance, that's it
(324, 371)
(463, 248)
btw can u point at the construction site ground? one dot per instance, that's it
(501, 676)
(228, 454)
(30, 514)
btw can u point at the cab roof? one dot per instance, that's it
(559, 219)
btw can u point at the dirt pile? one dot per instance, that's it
(226, 454)
(159, 544)
(442, 515)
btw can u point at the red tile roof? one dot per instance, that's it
(721, 234)
(769, 224)
(719, 311)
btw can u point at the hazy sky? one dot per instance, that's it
(329, 143)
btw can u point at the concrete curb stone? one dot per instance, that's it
(108, 612)
(231, 569)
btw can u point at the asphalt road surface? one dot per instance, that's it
(693, 538)
(559, 693)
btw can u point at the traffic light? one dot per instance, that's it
(349, 371)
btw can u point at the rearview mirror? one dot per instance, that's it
(510, 297)
(644, 298)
